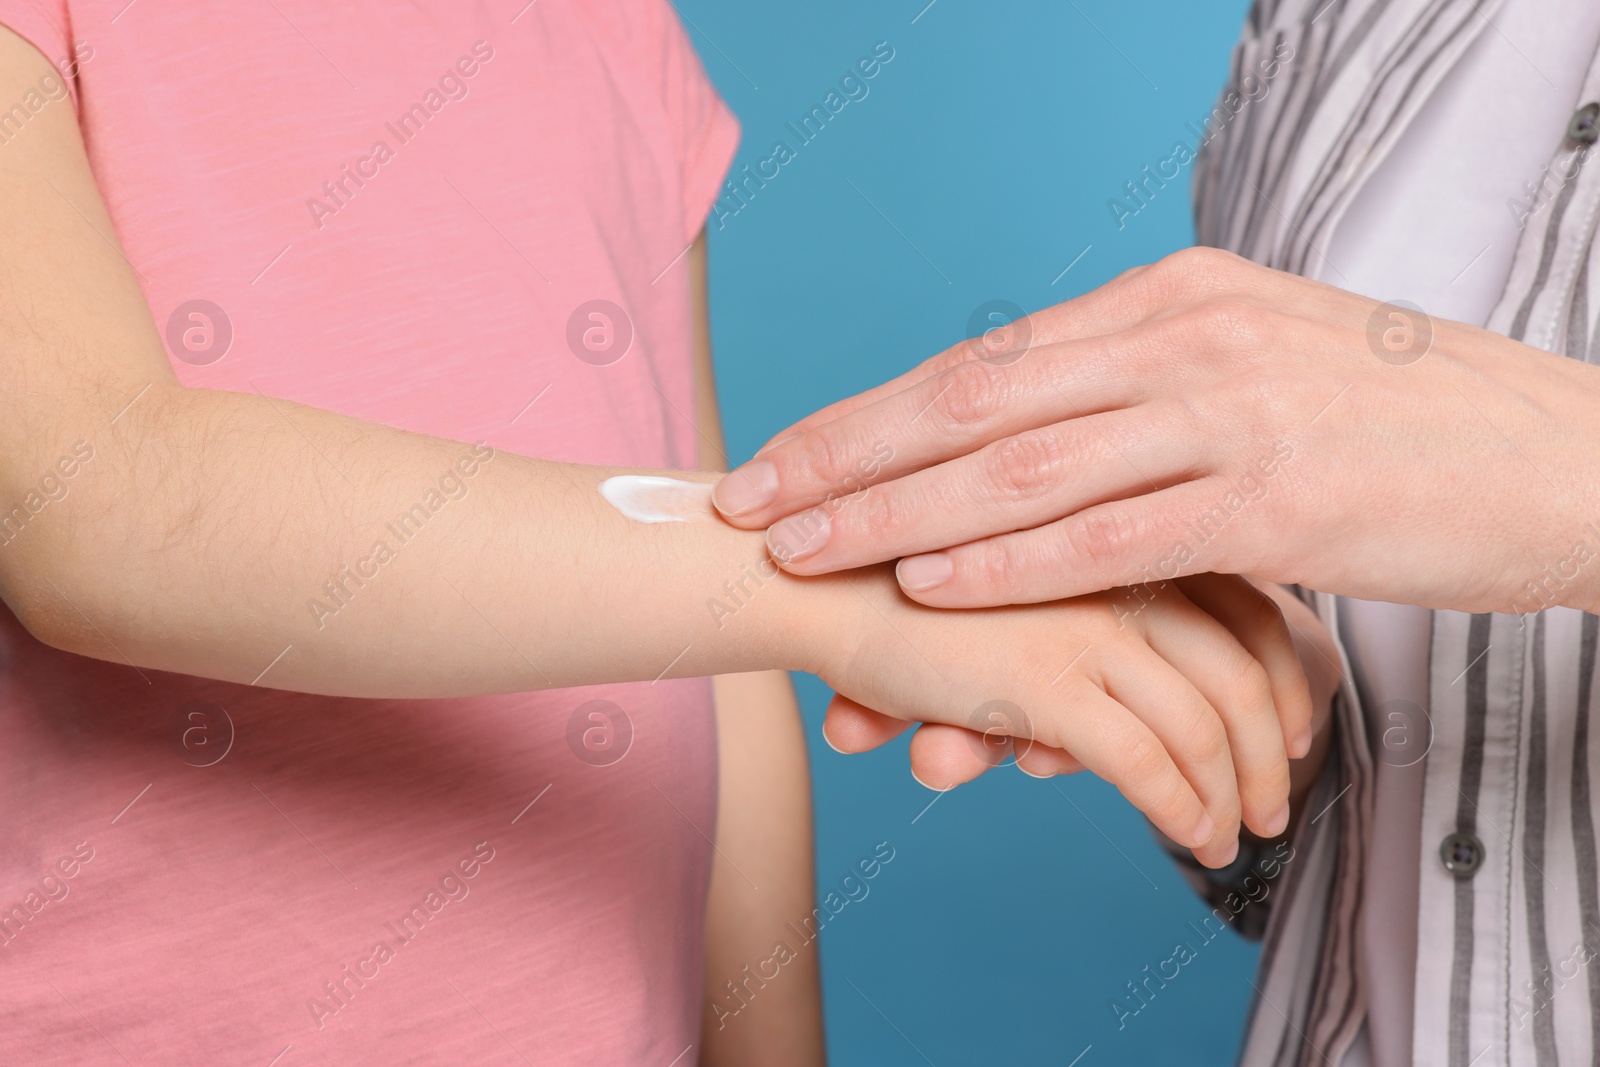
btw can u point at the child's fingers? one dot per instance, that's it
(1192, 733)
(1041, 761)
(1260, 625)
(851, 728)
(1115, 743)
(1232, 681)
(943, 757)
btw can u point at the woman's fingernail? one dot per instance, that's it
(1231, 855)
(1301, 745)
(923, 784)
(752, 486)
(830, 743)
(799, 536)
(918, 574)
(1030, 774)
(1278, 823)
(1203, 831)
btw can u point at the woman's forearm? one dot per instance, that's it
(256, 540)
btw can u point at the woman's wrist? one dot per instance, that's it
(1563, 568)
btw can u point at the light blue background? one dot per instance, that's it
(982, 162)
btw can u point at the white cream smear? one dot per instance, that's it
(650, 498)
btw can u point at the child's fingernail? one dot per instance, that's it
(800, 536)
(918, 574)
(752, 486)
(1203, 831)
(1278, 823)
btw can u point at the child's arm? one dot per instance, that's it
(236, 535)
(206, 525)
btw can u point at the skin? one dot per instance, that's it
(943, 757)
(209, 519)
(764, 873)
(763, 826)
(1076, 449)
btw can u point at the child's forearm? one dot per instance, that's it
(198, 531)
(251, 539)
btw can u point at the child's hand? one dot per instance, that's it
(1182, 695)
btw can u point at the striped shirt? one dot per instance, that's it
(1507, 906)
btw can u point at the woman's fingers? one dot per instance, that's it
(1017, 483)
(1238, 687)
(1107, 546)
(1006, 344)
(956, 411)
(1073, 359)
(839, 408)
(1114, 306)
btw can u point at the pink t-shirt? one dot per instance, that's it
(403, 212)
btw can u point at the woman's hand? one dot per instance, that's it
(1204, 414)
(1186, 696)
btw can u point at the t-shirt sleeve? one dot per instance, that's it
(705, 133)
(45, 25)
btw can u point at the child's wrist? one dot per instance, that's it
(817, 624)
